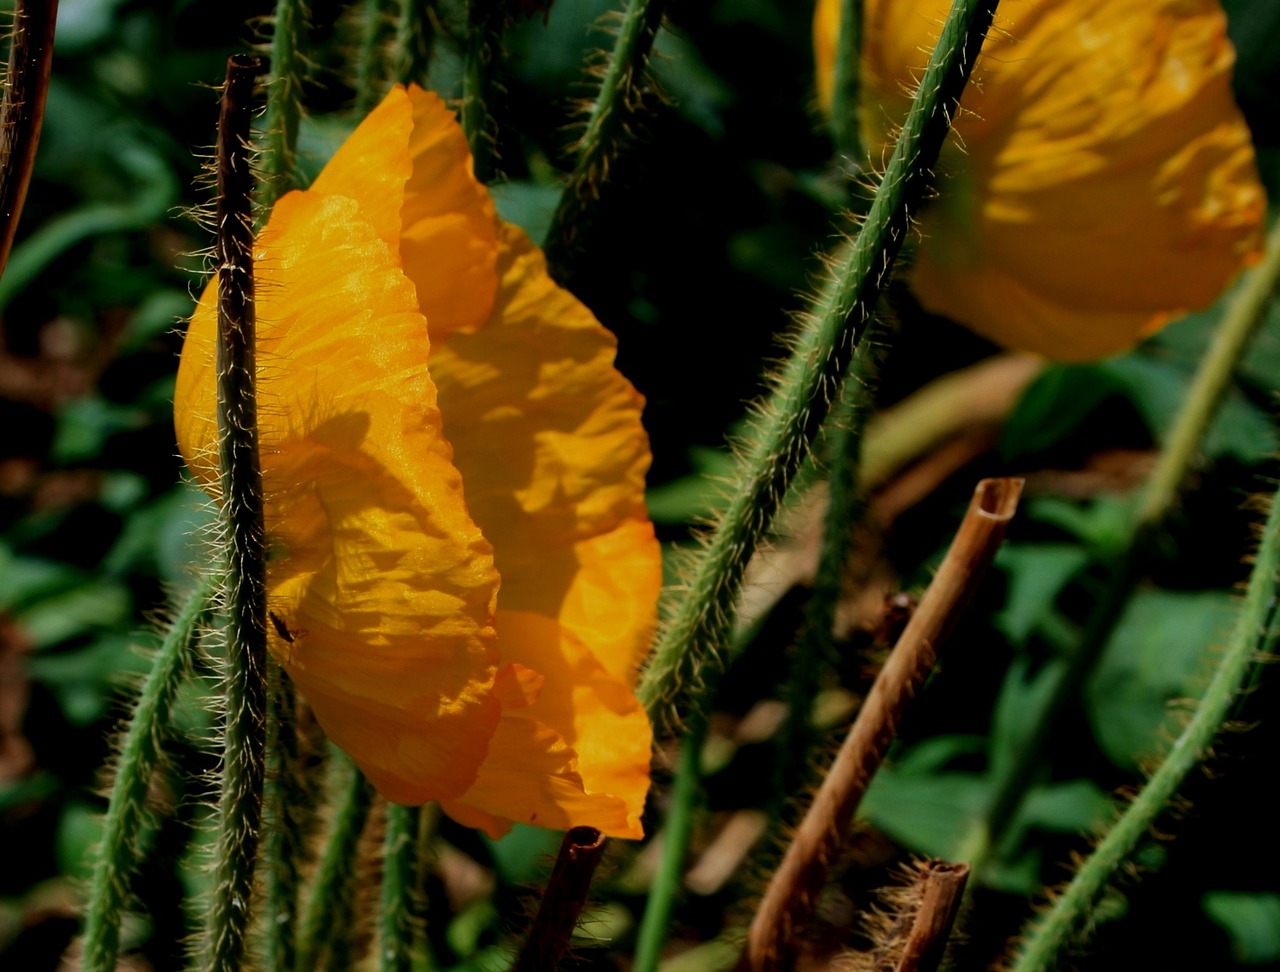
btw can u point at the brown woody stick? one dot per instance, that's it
(939, 902)
(22, 111)
(786, 904)
(562, 901)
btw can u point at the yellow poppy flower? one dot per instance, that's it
(1101, 180)
(454, 477)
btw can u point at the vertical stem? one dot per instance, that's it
(675, 847)
(331, 907)
(844, 90)
(369, 67)
(284, 843)
(22, 110)
(844, 510)
(396, 925)
(240, 801)
(414, 36)
(483, 47)
(284, 101)
(675, 682)
(118, 851)
(562, 901)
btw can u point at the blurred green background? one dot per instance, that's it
(702, 249)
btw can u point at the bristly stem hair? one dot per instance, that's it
(562, 901)
(22, 110)
(118, 851)
(845, 85)
(284, 101)
(244, 682)
(415, 34)
(675, 683)
(612, 112)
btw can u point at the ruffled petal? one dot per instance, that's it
(378, 572)
(1106, 183)
(449, 241)
(373, 165)
(578, 755)
(547, 435)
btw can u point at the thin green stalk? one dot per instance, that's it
(813, 653)
(118, 851)
(674, 684)
(395, 917)
(284, 101)
(244, 683)
(1213, 378)
(675, 847)
(845, 85)
(284, 850)
(414, 36)
(612, 112)
(481, 52)
(1254, 636)
(327, 923)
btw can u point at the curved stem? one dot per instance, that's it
(1254, 636)
(1240, 322)
(687, 650)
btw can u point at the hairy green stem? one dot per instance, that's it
(118, 851)
(284, 101)
(369, 66)
(845, 85)
(22, 109)
(1254, 636)
(395, 917)
(1240, 322)
(693, 637)
(327, 923)
(614, 108)
(676, 834)
(481, 53)
(284, 796)
(244, 683)
(414, 36)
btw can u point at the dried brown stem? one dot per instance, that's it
(786, 904)
(22, 111)
(562, 901)
(943, 888)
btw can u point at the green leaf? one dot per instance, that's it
(1053, 405)
(1037, 574)
(79, 830)
(521, 856)
(1240, 430)
(1251, 920)
(1159, 652)
(93, 606)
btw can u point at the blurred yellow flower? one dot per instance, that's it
(438, 420)
(1101, 180)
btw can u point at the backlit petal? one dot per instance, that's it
(384, 581)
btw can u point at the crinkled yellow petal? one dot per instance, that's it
(1107, 180)
(449, 235)
(385, 583)
(547, 435)
(577, 755)
(373, 165)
